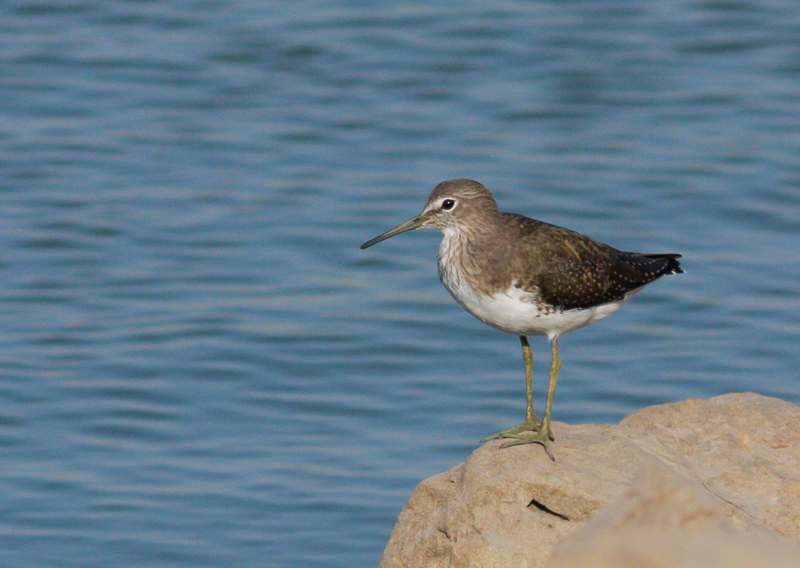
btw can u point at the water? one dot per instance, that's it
(201, 368)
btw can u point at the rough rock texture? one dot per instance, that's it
(738, 454)
(665, 521)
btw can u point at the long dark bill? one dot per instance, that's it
(409, 225)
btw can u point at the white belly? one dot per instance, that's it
(515, 311)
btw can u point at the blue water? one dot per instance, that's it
(200, 367)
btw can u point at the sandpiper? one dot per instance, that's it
(528, 277)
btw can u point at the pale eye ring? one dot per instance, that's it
(448, 204)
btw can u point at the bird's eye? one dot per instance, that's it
(448, 204)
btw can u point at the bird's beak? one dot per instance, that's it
(409, 225)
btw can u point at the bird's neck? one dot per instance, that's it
(458, 268)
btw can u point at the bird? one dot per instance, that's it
(528, 277)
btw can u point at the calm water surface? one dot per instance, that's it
(200, 367)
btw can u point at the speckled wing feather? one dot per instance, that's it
(582, 272)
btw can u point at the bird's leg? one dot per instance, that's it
(543, 435)
(527, 357)
(532, 422)
(555, 371)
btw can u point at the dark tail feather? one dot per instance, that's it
(673, 266)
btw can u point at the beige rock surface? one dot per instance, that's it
(665, 521)
(509, 508)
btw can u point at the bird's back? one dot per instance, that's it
(569, 270)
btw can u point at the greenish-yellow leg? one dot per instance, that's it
(532, 422)
(543, 435)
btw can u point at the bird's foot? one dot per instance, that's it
(533, 425)
(545, 439)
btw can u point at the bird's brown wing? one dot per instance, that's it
(573, 271)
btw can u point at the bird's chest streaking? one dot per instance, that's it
(505, 303)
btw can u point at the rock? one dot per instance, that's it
(665, 521)
(739, 454)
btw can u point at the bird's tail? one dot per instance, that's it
(673, 266)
